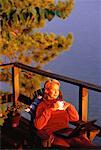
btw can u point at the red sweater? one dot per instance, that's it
(49, 120)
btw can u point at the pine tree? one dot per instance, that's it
(20, 42)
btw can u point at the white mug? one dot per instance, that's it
(61, 105)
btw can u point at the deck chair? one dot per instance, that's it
(81, 126)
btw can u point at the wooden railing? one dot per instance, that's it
(83, 86)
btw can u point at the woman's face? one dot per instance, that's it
(53, 91)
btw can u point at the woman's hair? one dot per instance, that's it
(48, 83)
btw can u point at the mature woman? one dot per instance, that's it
(53, 114)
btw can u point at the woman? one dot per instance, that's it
(53, 114)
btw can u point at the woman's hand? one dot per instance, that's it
(66, 105)
(59, 105)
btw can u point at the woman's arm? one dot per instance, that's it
(73, 114)
(43, 114)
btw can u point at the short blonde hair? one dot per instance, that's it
(48, 83)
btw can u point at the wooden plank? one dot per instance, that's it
(59, 77)
(9, 65)
(92, 134)
(83, 103)
(15, 83)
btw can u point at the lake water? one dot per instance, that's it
(83, 61)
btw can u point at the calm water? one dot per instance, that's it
(83, 61)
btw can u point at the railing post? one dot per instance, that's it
(15, 83)
(83, 103)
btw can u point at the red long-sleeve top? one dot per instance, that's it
(47, 119)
